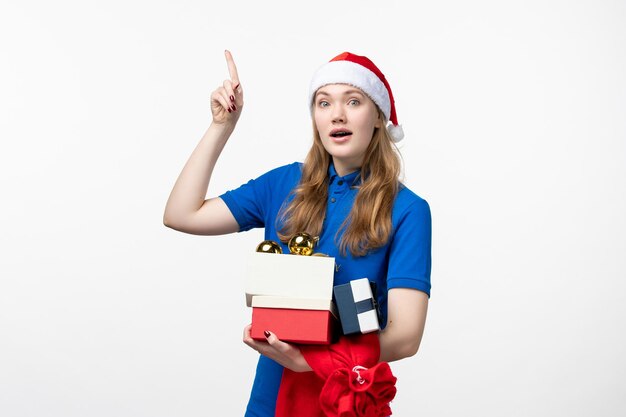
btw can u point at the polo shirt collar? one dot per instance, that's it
(348, 179)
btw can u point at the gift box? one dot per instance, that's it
(357, 307)
(270, 301)
(291, 296)
(292, 276)
(295, 320)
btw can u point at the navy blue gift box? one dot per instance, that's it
(357, 306)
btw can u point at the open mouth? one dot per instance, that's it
(340, 133)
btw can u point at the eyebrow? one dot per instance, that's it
(345, 93)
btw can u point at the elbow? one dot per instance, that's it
(170, 222)
(412, 348)
(175, 226)
(398, 349)
(176, 218)
(407, 348)
(167, 222)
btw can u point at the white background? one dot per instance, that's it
(514, 114)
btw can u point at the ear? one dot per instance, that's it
(379, 122)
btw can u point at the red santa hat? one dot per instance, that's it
(359, 71)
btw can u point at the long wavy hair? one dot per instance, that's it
(368, 224)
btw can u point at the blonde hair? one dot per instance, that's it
(368, 224)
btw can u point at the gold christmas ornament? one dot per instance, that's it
(302, 244)
(269, 246)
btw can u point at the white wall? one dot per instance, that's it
(516, 135)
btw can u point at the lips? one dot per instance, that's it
(340, 133)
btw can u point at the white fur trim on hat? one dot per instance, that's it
(347, 72)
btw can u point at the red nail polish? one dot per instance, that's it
(229, 111)
(267, 334)
(236, 87)
(234, 108)
(232, 98)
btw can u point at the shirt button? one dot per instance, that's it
(332, 200)
(340, 182)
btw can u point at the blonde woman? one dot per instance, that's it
(347, 192)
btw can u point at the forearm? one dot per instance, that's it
(189, 191)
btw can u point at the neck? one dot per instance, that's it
(344, 168)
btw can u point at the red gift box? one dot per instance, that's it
(294, 325)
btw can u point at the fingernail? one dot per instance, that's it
(236, 86)
(267, 334)
(229, 111)
(234, 108)
(232, 98)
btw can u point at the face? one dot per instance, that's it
(345, 118)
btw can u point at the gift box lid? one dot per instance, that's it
(271, 301)
(287, 275)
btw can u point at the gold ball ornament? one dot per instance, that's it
(302, 244)
(269, 246)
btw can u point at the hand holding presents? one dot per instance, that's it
(285, 354)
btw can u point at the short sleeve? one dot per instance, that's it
(245, 204)
(410, 249)
(253, 203)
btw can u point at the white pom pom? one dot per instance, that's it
(396, 132)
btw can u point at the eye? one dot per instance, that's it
(354, 102)
(323, 103)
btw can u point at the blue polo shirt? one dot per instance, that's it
(404, 262)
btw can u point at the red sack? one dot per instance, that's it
(347, 381)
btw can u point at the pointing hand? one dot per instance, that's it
(227, 100)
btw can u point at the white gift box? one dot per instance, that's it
(293, 276)
(270, 301)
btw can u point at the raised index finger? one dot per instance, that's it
(232, 68)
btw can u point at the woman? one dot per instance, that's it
(347, 192)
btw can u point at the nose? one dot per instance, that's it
(338, 114)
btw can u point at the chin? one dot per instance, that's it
(344, 156)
